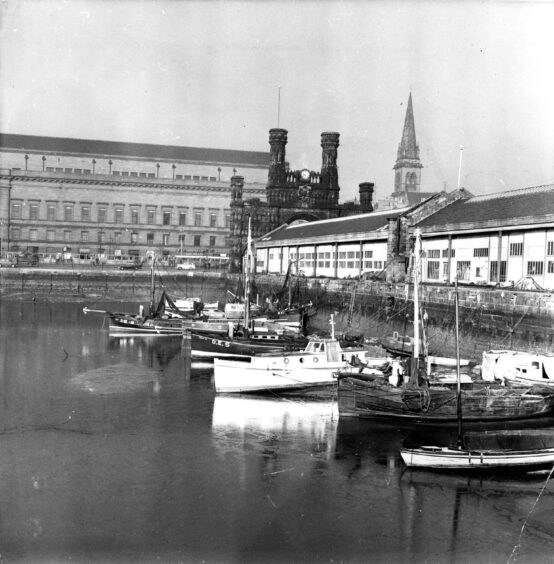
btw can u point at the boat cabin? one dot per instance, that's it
(518, 366)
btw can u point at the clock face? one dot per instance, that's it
(305, 174)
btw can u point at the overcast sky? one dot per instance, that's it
(207, 74)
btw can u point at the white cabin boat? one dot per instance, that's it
(314, 366)
(518, 368)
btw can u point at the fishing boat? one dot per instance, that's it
(212, 345)
(511, 450)
(518, 368)
(314, 366)
(162, 319)
(417, 397)
(247, 335)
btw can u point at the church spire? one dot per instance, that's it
(408, 148)
(407, 176)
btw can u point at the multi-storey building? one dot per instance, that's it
(83, 199)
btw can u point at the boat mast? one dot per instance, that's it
(458, 378)
(247, 270)
(416, 264)
(152, 289)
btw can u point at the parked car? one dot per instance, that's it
(186, 266)
(6, 263)
(131, 266)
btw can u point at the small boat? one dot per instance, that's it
(398, 345)
(506, 454)
(445, 458)
(314, 366)
(518, 368)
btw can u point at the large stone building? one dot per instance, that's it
(292, 195)
(80, 199)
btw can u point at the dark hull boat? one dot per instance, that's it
(359, 397)
(213, 345)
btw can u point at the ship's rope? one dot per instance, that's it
(513, 555)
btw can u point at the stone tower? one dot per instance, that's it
(407, 176)
(366, 196)
(329, 189)
(277, 174)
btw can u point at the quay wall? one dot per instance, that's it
(490, 318)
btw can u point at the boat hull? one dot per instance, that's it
(361, 398)
(238, 377)
(218, 346)
(452, 459)
(121, 326)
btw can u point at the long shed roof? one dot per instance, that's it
(329, 230)
(526, 206)
(116, 149)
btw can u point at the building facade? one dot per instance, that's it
(496, 239)
(291, 196)
(80, 199)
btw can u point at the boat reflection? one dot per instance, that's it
(246, 424)
(156, 353)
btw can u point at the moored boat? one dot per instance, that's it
(518, 368)
(312, 367)
(416, 397)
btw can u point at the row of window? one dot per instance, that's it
(463, 270)
(118, 215)
(115, 238)
(515, 250)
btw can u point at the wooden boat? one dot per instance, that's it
(505, 450)
(419, 399)
(222, 346)
(518, 368)
(314, 366)
(398, 345)
(515, 456)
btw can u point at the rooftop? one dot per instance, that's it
(534, 205)
(115, 149)
(333, 229)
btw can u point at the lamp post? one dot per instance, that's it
(110, 163)
(173, 167)
(43, 162)
(93, 165)
(26, 161)
(219, 174)
(157, 170)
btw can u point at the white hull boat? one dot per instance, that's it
(312, 367)
(448, 458)
(518, 368)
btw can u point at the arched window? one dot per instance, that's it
(411, 181)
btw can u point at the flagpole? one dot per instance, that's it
(460, 166)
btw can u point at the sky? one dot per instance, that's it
(220, 74)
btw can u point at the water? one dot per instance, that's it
(111, 453)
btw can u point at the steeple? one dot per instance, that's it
(408, 167)
(408, 148)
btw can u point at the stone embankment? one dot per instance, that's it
(490, 318)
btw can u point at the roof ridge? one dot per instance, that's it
(349, 217)
(512, 193)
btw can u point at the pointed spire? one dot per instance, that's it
(408, 148)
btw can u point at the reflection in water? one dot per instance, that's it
(117, 378)
(273, 429)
